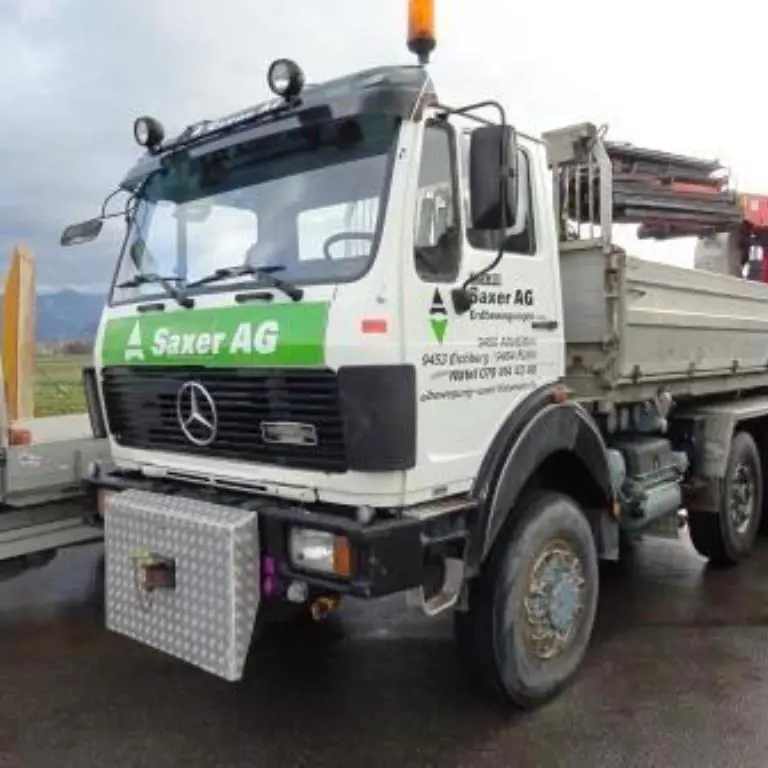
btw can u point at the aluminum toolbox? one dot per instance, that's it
(207, 619)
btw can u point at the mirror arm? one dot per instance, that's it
(107, 200)
(469, 108)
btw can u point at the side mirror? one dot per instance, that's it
(83, 232)
(493, 162)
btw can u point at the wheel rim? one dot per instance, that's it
(741, 501)
(555, 599)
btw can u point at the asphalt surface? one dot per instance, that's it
(677, 676)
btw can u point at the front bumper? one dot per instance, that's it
(186, 574)
(386, 556)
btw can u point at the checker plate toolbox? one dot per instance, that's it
(206, 615)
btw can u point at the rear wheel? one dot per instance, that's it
(532, 610)
(728, 535)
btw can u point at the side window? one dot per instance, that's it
(437, 239)
(525, 242)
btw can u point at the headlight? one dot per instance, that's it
(148, 132)
(319, 551)
(285, 78)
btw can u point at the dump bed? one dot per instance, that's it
(633, 326)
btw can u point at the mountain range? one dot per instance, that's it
(67, 315)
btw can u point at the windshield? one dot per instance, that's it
(307, 200)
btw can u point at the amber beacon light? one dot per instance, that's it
(421, 28)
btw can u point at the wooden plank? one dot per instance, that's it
(18, 348)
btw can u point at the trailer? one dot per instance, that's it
(45, 501)
(471, 410)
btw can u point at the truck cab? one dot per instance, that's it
(318, 251)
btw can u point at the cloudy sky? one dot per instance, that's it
(77, 72)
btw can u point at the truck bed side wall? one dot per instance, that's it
(632, 326)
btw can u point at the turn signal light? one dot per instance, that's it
(342, 557)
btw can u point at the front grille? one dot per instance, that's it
(141, 406)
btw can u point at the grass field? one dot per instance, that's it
(58, 385)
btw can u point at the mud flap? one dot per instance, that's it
(182, 576)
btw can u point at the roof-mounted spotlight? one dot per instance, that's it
(285, 78)
(148, 132)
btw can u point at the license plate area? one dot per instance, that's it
(182, 576)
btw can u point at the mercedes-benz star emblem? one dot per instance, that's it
(197, 414)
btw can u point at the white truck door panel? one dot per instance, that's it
(507, 345)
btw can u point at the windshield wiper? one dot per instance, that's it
(264, 273)
(143, 278)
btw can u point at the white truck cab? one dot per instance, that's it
(373, 239)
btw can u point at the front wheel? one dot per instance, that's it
(532, 610)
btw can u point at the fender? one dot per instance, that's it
(538, 428)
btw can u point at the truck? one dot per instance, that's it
(361, 342)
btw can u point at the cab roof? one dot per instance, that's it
(399, 90)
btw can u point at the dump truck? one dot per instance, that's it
(361, 342)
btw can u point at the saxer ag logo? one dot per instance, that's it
(281, 334)
(134, 349)
(438, 317)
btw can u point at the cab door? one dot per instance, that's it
(434, 341)
(472, 369)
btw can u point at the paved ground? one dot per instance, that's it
(678, 676)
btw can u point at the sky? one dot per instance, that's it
(77, 72)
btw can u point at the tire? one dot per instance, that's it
(727, 536)
(762, 447)
(494, 644)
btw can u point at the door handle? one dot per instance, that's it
(545, 325)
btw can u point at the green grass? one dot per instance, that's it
(58, 384)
